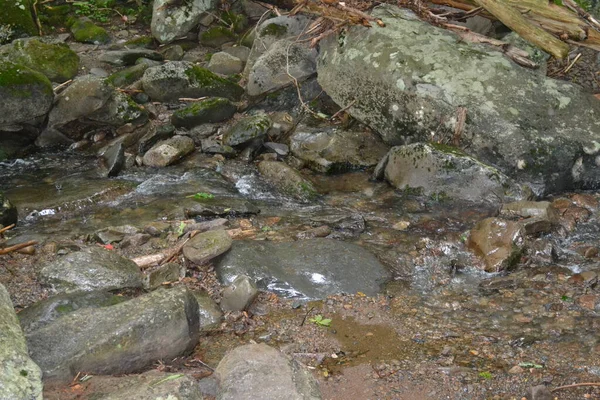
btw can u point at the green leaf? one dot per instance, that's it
(180, 229)
(168, 378)
(325, 322)
(200, 196)
(320, 321)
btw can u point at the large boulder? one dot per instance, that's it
(408, 80)
(91, 269)
(25, 95)
(258, 371)
(444, 172)
(309, 269)
(177, 79)
(53, 59)
(332, 150)
(118, 339)
(16, 20)
(20, 377)
(171, 19)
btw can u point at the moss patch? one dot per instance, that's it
(19, 81)
(216, 36)
(16, 15)
(274, 30)
(86, 31)
(214, 84)
(55, 60)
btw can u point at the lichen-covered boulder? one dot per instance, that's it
(16, 20)
(247, 129)
(25, 95)
(408, 80)
(85, 31)
(176, 79)
(210, 110)
(171, 20)
(20, 377)
(53, 59)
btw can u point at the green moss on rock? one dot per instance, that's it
(213, 83)
(16, 16)
(127, 76)
(145, 42)
(216, 36)
(210, 110)
(20, 81)
(55, 60)
(274, 30)
(86, 31)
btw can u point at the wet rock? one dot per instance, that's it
(210, 313)
(313, 269)
(85, 31)
(585, 200)
(118, 339)
(220, 208)
(239, 294)
(127, 76)
(527, 209)
(215, 224)
(536, 225)
(212, 146)
(171, 20)
(257, 371)
(217, 36)
(247, 129)
(21, 378)
(129, 56)
(149, 385)
(90, 269)
(114, 234)
(272, 70)
(287, 180)
(540, 392)
(47, 311)
(17, 18)
(173, 53)
(542, 251)
(333, 150)
(8, 212)
(239, 52)
(280, 149)
(225, 64)
(404, 101)
(155, 277)
(498, 242)
(344, 225)
(169, 151)
(447, 173)
(155, 135)
(26, 94)
(53, 59)
(206, 246)
(210, 110)
(177, 79)
(318, 232)
(114, 159)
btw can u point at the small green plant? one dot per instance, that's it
(485, 375)
(200, 196)
(92, 10)
(320, 321)
(266, 229)
(180, 229)
(566, 298)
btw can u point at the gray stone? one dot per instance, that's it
(47, 311)
(20, 377)
(307, 269)
(171, 20)
(8, 211)
(272, 70)
(408, 87)
(151, 385)
(129, 56)
(239, 294)
(169, 151)
(217, 36)
(447, 173)
(221, 208)
(225, 64)
(287, 180)
(239, 52)
(114, 159)
(247, 129)
(539, 392)
(118, 339)
(257, 371)
(155, 277)
(177, 79)
(127, 76)
(333, 150)
(155, 135)
(498, 242)
(173, 53)
(207, 245)
(527, 209)
(91, 269)
(26, 97)
(210, 110)
(210, 313)
(280, 149)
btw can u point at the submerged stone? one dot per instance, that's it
(498, 242)
(287, 180)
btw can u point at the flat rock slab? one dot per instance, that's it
(91, 269)
(257, 371)
(206, 246)
(119, 339)
(307, 269)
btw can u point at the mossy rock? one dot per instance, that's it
(213, 84)
(144, 42)
(16, 19)
(239, 22)
(86, 31)
(55, 60)
(217, 36)
(210, 110)
(26, 94)
(55, 15)
(127, 76)
(247, 129)
(287, 180)
(273, 29)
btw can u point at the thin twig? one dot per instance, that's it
(38, 24)
(6, 228)
(343, 109)
(575, 385)
(577, 57)
(16, 247)
(192, 98)
(56, 89)
(306, 316)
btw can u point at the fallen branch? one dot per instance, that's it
(6, 228)
(56, 89)
(575, 385)
(16, 247)
(582, 13)
(192, 98)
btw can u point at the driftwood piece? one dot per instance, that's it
(513, 18)
(149, 260)
(16, 247)
(163, 257)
